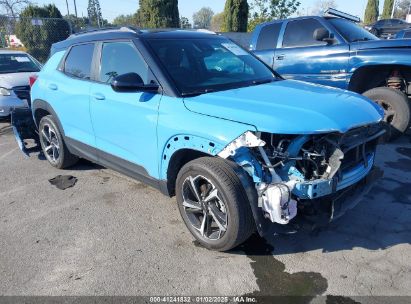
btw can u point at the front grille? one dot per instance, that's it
(358, 144)
(23, 92)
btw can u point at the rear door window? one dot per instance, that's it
(121, 57)
(79, 60)
(300, 33)
(268, 37)
(395, 22)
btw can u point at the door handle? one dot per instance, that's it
(99, 96)
(53, 87)
(280, 57)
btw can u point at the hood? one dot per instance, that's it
(12, 80)
(289, 107)
(381, 44)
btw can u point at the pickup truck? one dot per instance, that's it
(334, 51)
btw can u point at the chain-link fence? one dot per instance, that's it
(33, 35)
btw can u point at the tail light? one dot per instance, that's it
(32, 80)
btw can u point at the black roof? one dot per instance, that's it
(128, 33)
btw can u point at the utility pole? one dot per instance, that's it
(75, 8)
(68, 10)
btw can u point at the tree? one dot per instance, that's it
(322, 5)
(13, 7)
(185, 23)
(49, 27)
(281, 9)
(402, 9)
(388, 6)
(159, 14)
(202, 18)
(371, 12)
(125, 20)
(267, 10)
(77, 23)
(217, 23)
(236, 16)
(94, 13)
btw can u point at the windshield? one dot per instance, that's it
(200, 66)
(17, 63)
(351, 31)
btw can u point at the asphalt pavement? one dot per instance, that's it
(109, 235)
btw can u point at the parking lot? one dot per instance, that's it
(109, 235)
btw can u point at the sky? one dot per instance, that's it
(113, 8)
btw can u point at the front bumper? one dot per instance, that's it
(8, 103)
(349, 198)
(315, 214)
(323, 187)
(24, 128)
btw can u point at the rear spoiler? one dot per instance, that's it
(340, 14)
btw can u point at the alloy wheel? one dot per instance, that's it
(51, 145)
(204, 208)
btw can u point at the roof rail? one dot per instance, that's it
(120, 28)
(205, 31)
(337, 13)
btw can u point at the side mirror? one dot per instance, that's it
(132, 82)
(322, 34)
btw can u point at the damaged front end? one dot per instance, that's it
(318, 176)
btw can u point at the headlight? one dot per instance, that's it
(4, 92)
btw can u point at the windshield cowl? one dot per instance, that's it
(231, 87)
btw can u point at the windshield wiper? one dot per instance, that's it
(257, 82)
(197, 93)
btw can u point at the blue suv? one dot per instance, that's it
(195, 115)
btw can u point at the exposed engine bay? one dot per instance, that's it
(295, 170)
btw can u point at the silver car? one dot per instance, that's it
(15, 70)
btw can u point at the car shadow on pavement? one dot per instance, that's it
(86, 165)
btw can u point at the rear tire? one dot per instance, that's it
(215, 178)
(396, 109)
(53, 146)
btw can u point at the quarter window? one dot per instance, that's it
(118, 58)
(268, 37)
(300, 33)
(78, 61)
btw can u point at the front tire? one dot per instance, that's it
(53, 146)
(213, 204)
(396, 109)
